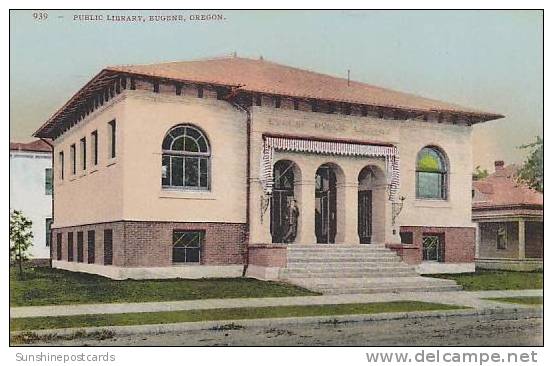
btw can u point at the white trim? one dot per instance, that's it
(438, 267)
(263, 273)
(272, 144)
(142, 273)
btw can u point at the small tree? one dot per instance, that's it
(531, 172)
(21, 236)
(479, 173)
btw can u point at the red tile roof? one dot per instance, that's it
(501, 189)
(35, 146)
(263, 76)
(259, 76)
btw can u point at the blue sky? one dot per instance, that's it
(491, 60)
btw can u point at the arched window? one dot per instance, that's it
(186, 158)
(431, 174)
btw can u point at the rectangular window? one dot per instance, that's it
(80, 240)
(91, 238)
(73, 157)
(432, 248)
(70, 247)
(112, 138)
(296, 104)
(278, 100)
(189, 172)
(83, 153)
(94, 142)
(431, 185)
(48, 232)
(501, 237)
(48, 181)
(187, 246)
(108, 247)
(58, 245)
(406, 237)
(61, 162)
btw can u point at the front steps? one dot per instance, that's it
(355, 269)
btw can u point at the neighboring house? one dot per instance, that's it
(215, 167)
(31, 190)
(510, 221)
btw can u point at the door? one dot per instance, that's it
(364, 209)
(325, 205)
(283, 194)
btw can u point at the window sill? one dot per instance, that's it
(93, 170)
(186, 194)
(111, 162)
(437, 203)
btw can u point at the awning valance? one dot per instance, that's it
(272, 144)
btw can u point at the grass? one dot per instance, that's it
(524, 300)
(168, 317)
(496, 280)
(48, 286)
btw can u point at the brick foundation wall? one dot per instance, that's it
(269, 255)
(459, 243)
(150, 244)
(410, 254)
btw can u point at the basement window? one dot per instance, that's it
(108, 247)
(187, 246)
(70, 247)
(91, 247)
(406, 237)
(80, 252)
(432, 248)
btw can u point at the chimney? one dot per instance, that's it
(499, 165)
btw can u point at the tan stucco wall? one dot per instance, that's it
(149, 117)
(455, 142)
(95, 195)
(130, 187)
(408, 136)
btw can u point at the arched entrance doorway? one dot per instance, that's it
(284, 208)
(370, 204)
(365, 179)
(325, 204)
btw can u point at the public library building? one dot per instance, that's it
(233, 166)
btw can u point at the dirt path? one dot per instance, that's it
(457, 331)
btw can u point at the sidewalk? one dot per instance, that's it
(462, 298)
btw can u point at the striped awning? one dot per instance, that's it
(272, 144)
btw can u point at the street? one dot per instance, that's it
(496, 330)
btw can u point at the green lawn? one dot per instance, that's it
(47, 286)
(167, 317)
(524, 300)
(496, 280)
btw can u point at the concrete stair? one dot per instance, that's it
(355, 269)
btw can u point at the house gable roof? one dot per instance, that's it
(501, 189)
(34, 146)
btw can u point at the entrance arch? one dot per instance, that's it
(327, 179)
(284, 202)
(370, 204)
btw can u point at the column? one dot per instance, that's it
(306, 224)
(477, 242)
(521, 239)
(349, 212)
